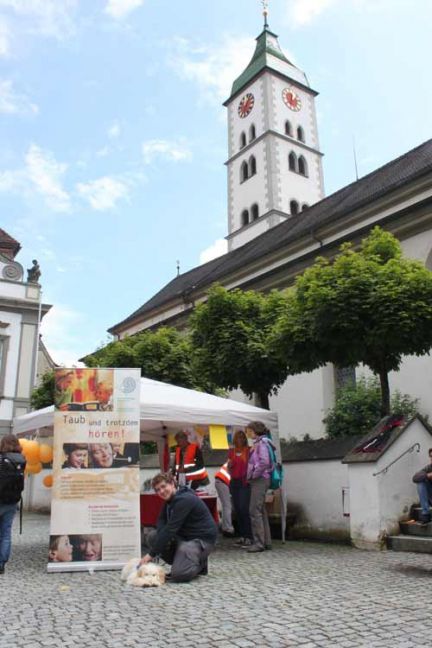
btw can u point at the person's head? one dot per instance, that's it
(64, 379)
(164, 485)
(182, 439)
(102, 455)
(240, 439)
(60, 549)
(90, 546)
(9, 443)
(76, 454)
(103, 392)
(258, 429)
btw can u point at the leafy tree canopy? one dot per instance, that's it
(43, 395)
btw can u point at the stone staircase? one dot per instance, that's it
(414, 536)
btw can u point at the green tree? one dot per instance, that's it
(369, 306)
(230, 333)
(358, 406)
(43, 395)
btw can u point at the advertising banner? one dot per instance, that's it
(95, 517)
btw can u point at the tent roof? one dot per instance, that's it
(167, 405)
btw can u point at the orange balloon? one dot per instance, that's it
(31, 452)
(23, 442)
(45, 453)
(48, 481)
(33, 468)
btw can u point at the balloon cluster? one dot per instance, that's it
(37, 454)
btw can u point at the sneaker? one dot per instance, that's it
(247, 542)
(254, 549)
(239, 542)
(2, 568)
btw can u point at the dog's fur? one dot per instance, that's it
(149, 575)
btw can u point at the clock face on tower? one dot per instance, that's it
(291, 99)
(246, 104)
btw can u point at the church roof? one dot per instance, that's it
(8, 245)
(268, 54)
(391, 176)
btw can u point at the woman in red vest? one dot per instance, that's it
(189, 467)
(238, 458)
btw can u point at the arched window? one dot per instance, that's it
(254, 211)
(244, 217)
(244, 171)
(242, 139)
(252, 133)
(294, 207)
(300, 134)
(252, 165)
(302, 166)
(288, 128)
(305, 206)
(292, 161)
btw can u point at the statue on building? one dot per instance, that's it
(34, 273)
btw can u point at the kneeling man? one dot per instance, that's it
(186, 532)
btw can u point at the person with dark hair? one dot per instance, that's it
(60, 549)
(258, 474)
(238, 458)
(186, 532)
(188, 465)
(76, 455)
(12, 466)
(423, 480)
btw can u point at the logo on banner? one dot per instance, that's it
(128, 385)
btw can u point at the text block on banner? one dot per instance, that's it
(95, 512)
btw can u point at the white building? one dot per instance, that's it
(21, 311)
(278, 221)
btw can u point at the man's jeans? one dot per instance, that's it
(7, 514)
(187, 557)
(424, 490)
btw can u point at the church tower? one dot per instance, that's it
(274, 165)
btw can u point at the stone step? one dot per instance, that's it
(409, 543)
(416, 529)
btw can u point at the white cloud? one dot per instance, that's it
(103, 193)
(217, 249)
(50, 18)
(169, 150)
(212, 67)
(114, 130)
(13, 103)
(62, 334)
(45, 173)
(121, 8)
(5, 37)
(302, 12)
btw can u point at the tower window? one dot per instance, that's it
(294, 207)
(302, 166)
(288, 128)
(254, 211)
(244, 217)
(252, 165)
(244, 171)
(300, 134)
(252, 133)
(292, 161)
(242, 140)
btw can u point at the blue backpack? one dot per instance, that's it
(276, 476)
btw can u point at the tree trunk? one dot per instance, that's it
(263, 400)
(385, 393)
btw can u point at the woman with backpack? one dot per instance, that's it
(260, 467)
(12, 465)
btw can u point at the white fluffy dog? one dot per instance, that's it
(149, 575)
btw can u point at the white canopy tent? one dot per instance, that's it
(165, 408)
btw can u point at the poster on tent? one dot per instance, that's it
(95, 518)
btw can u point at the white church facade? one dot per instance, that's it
(279, 221)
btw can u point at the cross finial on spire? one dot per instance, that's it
(265, 11)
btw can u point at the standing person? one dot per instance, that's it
(222, 485)
(423, 480)
(12, 465)
(238, 458)
(186, 532)
(259, 470)
(189, 463)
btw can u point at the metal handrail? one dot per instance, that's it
(415, 446)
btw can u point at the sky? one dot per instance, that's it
(114, 135)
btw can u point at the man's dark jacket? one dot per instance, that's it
(184, 517)
(421, 475)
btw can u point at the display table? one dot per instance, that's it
(151, 505)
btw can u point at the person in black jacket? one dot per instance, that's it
(12, 465)
(423, 479)
(186, 532)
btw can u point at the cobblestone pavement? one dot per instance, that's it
(300, 594)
